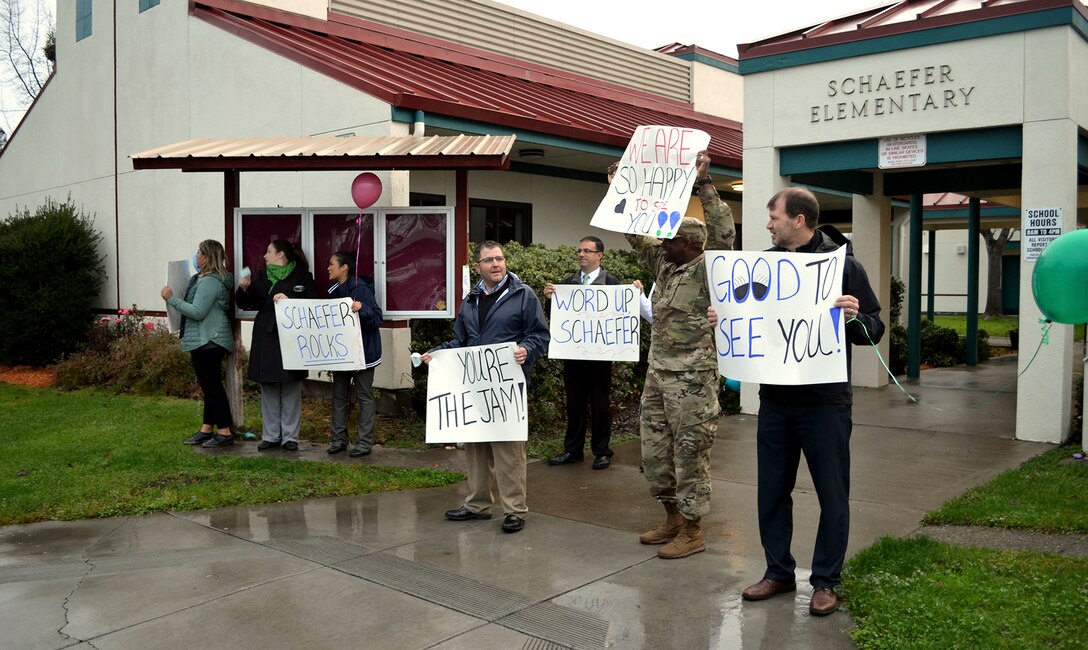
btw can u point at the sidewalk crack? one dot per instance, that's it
(90, 568)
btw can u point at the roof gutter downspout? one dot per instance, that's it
(116, 172)
(418, 127)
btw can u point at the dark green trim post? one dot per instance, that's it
(914, 290)
(931, 275)
(973, 220)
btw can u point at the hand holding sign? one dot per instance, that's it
(649, 187)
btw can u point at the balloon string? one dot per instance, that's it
(358, 241)
(1042, 339)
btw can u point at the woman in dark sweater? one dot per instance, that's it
(286, 276)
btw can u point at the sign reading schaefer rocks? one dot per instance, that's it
(650, 190)
(319, 335)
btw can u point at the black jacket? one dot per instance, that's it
(855, 283)
(370, 316)
(265, 360)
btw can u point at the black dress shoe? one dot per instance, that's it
(602, 462)
(336, 448)
(265, 445)
(512, 524)
(464, 514)
(565, 458)
(290, 445)
(198, 438)
(220, 441)
(355, 453)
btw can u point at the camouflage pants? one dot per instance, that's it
(679, 420)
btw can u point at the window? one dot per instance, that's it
(500, 221)
(147, 4)
(83, 19)
(419, 199)
(407, 253)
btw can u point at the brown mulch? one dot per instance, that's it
(27, 376)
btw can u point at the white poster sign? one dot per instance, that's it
(777, 323)
(652, 185)
(1041, 226)
(319, 335)
(476, 394)
(901, 151)
(595, 322)
(177, 278)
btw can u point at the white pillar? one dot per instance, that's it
(872, 247)
(1044, 392)
(761, 181)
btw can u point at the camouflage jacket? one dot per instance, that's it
(682, 338)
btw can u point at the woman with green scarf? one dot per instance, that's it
(286, 276)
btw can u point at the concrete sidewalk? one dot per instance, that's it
(387, 571)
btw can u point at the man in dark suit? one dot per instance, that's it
(587, 382)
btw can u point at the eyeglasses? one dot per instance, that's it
(489, 260)
(587, 251)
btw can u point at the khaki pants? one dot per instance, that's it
(494, 465)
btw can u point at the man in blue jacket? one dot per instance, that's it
(499, 309)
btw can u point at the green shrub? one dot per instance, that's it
(51, 276)
(132, 356)
(941, 347)
(896, 308)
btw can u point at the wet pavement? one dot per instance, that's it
(387, 571)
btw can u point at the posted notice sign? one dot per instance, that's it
(1041, 226)
(476, 394)
(598, 322)
(901, 151)
(777, 323)
(319, 335)
(651, 188)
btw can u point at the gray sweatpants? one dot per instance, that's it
(281, 411)
(341, 407)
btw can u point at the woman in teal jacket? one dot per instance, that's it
(206, 336)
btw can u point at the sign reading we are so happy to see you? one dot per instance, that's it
(650, 191)
(777, 323)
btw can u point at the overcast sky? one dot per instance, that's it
(717, 26)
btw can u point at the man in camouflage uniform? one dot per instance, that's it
(679, 415)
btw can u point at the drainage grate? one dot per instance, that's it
(567, 627)
(541, 644)
(435, 585)
(323, 550)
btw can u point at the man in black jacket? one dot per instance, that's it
(814, 419)
(588, 382)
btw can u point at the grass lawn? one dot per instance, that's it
(1042, 495)
(90, 453)
(918, 593)
(998, 326)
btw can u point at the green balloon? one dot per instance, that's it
(1060, 280)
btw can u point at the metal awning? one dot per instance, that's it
(330, 153)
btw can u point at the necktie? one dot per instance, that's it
(585, 278)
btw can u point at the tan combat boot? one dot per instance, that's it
(688, 541)
(666, 531)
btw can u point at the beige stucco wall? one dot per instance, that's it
(717, 92)
(950, 86)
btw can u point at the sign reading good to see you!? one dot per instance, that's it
(595, 322)
(319, 335)
(651, 188)
(777, 323)
(476, 394)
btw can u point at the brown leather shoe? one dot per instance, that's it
(766, 588)
(824, 601)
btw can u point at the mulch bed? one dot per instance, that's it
(27, 376)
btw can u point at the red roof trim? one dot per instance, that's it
(798, 40)
(409, 75)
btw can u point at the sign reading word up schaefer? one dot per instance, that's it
(777, 323)
(652, 185)
(476, 394)
(319, 335)
(598, 322)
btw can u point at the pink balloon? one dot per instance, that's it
(365, 190)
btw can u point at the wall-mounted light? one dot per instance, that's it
(737, 185)
(531, 153)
